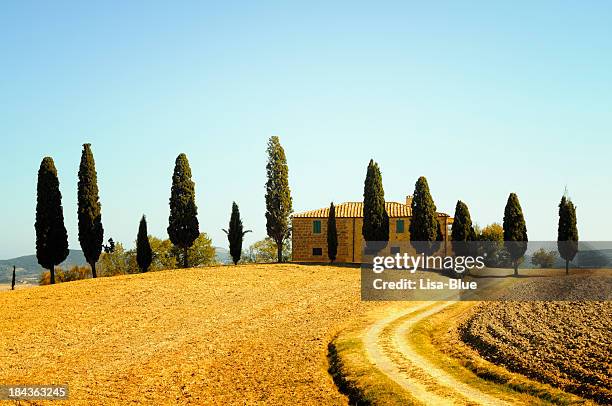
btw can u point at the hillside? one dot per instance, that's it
(28, 268)
(251, 334)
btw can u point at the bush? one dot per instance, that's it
(75, 273)
(543, 258)
(265, 251)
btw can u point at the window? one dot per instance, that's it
(316, 227)
(317, 251)
(399, 226)
(395, 250)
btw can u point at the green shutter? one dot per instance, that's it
(316, 227)
(399, 226)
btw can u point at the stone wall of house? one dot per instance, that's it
(304, 240)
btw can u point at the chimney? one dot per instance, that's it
(409, 200)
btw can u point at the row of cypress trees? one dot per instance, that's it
(183, 225)
(515, 230)
(425, 230)
(51, 234)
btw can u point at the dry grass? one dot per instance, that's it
(222, 335)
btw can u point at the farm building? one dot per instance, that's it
(309, 236)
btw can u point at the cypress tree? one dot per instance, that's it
(515, 231)
(51, 235)
(235, 234)
(278, 196)
(462, 230)
(144, 253)
(183, 228)
(332, 234)
(91, 232)
(567, 241)
(425, 230)
(375, 228)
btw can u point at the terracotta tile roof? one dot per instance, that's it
(355, 209)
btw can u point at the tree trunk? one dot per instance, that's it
(279, 251)
(52, 273)
(185, 259)
(516, 268)
(13, 280)
(93, 270)
(566, 267)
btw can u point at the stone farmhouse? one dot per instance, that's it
(309, 236)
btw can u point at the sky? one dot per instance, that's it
(482, 98)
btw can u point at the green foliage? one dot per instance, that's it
(110, 247)
(183, 227)
(567, 241)
(235, 234)
(515, 231)
(163, 254)
(51, 235)
(278, 196)
(117, 262)
(332, 234)
(144, 253)
(375, 228)
(424, 227)
(201, 252)
(462, 230)
(543, 258)
(91, 232)
(75, 273)
(265, 251)
(491, 246)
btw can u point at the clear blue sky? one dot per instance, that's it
(483, 98)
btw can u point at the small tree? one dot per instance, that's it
(183, 228)
(515, 231)
(375, 228)
(51, 235)
(235, 234)
(462, 230)
(278, 196)
(332, 234)
(144, 253)
(567, 241)
(425, 232)
(91, 232)
(491, 246)
(543, 258)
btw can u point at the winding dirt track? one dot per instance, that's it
(388, 349)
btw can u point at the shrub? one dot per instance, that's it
(74, 273)
(543, 258)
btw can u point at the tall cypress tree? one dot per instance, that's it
(462, 230)
(425, 230)
(515, 231)
(183, 228)
(567, 241)
(375, 228)
(144, 253)
(332, 234)
(91, 232)
(235, 234)
(278, 196)
(51, 235)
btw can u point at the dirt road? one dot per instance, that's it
(387, 347)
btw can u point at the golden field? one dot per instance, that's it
(254, 334)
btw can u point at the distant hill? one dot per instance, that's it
(222, 255)
(28, 268)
